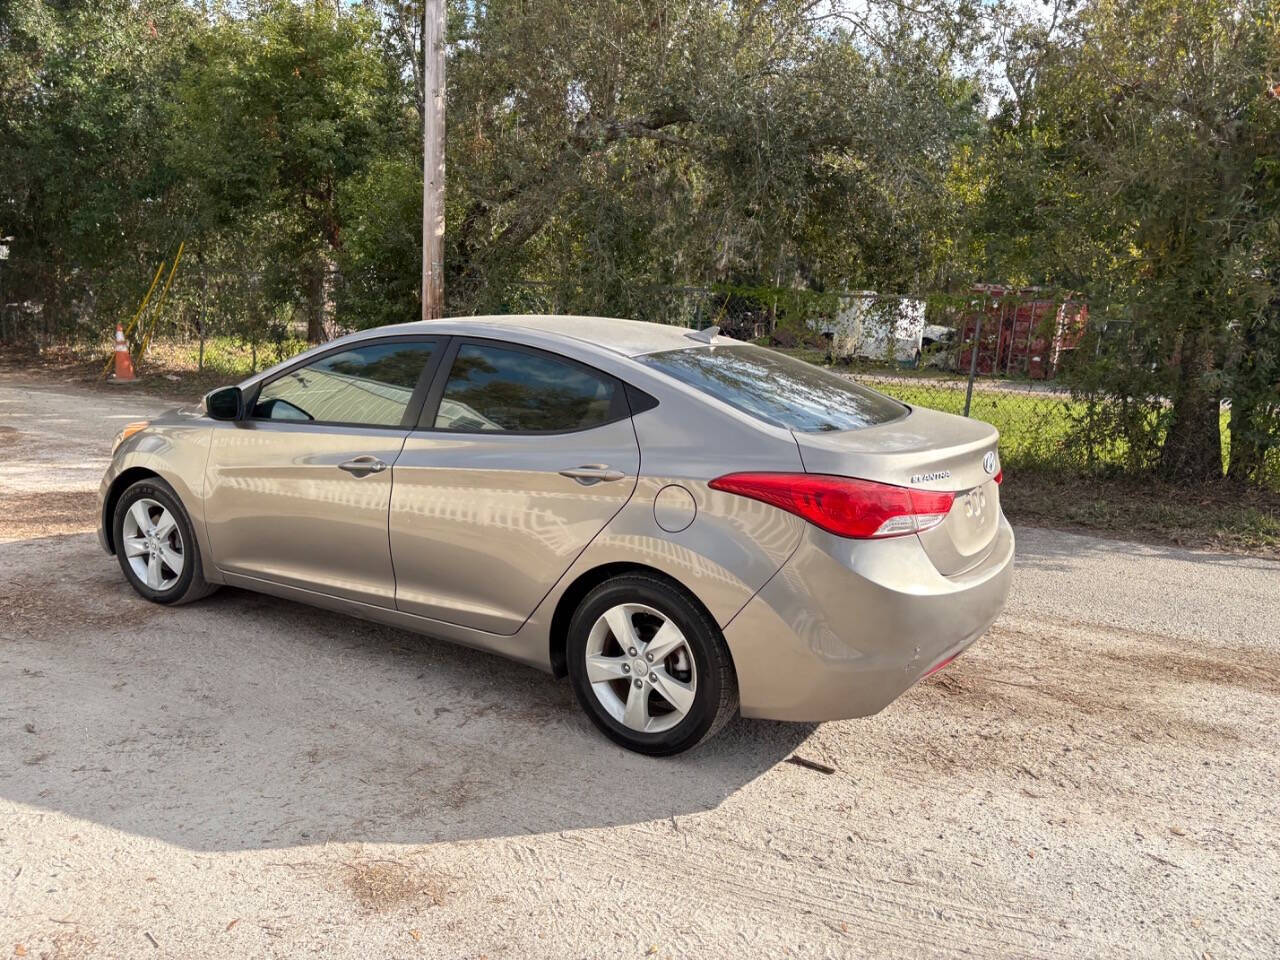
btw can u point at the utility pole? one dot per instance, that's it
(433, 25)
(4, 256)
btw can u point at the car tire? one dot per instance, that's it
(689, 690)
(152, 535)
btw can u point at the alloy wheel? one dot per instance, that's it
(641, 668)
(152, 544)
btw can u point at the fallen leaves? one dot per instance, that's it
(383, 886)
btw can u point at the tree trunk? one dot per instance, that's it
(1254, 384)
(202, 314)
(1246, 453)
(316, 302)
(1193, 446)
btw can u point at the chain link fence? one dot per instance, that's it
(1014, 358)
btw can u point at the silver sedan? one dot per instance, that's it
(686, 526)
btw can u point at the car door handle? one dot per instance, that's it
(363, 466)
(591, 473)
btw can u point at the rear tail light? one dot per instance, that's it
(841, 505)
(999, 476)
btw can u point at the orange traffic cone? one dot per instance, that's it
(124, 363)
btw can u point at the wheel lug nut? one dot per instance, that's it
(626, 668)
(631, 652)
(653, 678)
(639, 683)
(649, 657)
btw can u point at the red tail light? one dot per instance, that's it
(841, 505)
(1000, 476)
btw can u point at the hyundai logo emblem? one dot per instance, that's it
(989, 462)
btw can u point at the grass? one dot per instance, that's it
(229, 358)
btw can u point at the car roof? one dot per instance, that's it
(628, 338)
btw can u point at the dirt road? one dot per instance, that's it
(250, 777)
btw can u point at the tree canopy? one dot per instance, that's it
(601, 154)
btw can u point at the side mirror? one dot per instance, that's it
(225, 403)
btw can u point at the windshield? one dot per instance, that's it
(776, 388)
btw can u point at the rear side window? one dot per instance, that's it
(367, 386)
(776, 388)
(494, 389)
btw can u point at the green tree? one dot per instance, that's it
(278, 110)
(380, 261)
(1132, 166)
(598, 151)
(87, 190)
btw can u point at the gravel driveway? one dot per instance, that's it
(250, 777)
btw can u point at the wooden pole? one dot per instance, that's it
(433, 159)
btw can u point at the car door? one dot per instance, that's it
(297, 492)
(522, 458)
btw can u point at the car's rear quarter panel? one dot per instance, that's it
(733, 545)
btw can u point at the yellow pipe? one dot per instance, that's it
(160, 303)
(145, 300)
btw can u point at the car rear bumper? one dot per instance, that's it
(846, 626)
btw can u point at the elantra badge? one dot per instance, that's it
(989, 462)
(930, 477)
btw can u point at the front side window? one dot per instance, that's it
(496, 389)
(365, 386)
(776, 388)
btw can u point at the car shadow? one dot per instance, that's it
(244, 721)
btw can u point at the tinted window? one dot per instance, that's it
(368, 386)
(492, 388)
(778, 389)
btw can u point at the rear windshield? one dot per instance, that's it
(776, 388)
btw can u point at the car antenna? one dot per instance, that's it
(704, 335)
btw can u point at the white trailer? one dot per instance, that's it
(877, 328)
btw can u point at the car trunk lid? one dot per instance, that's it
(924, 450)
